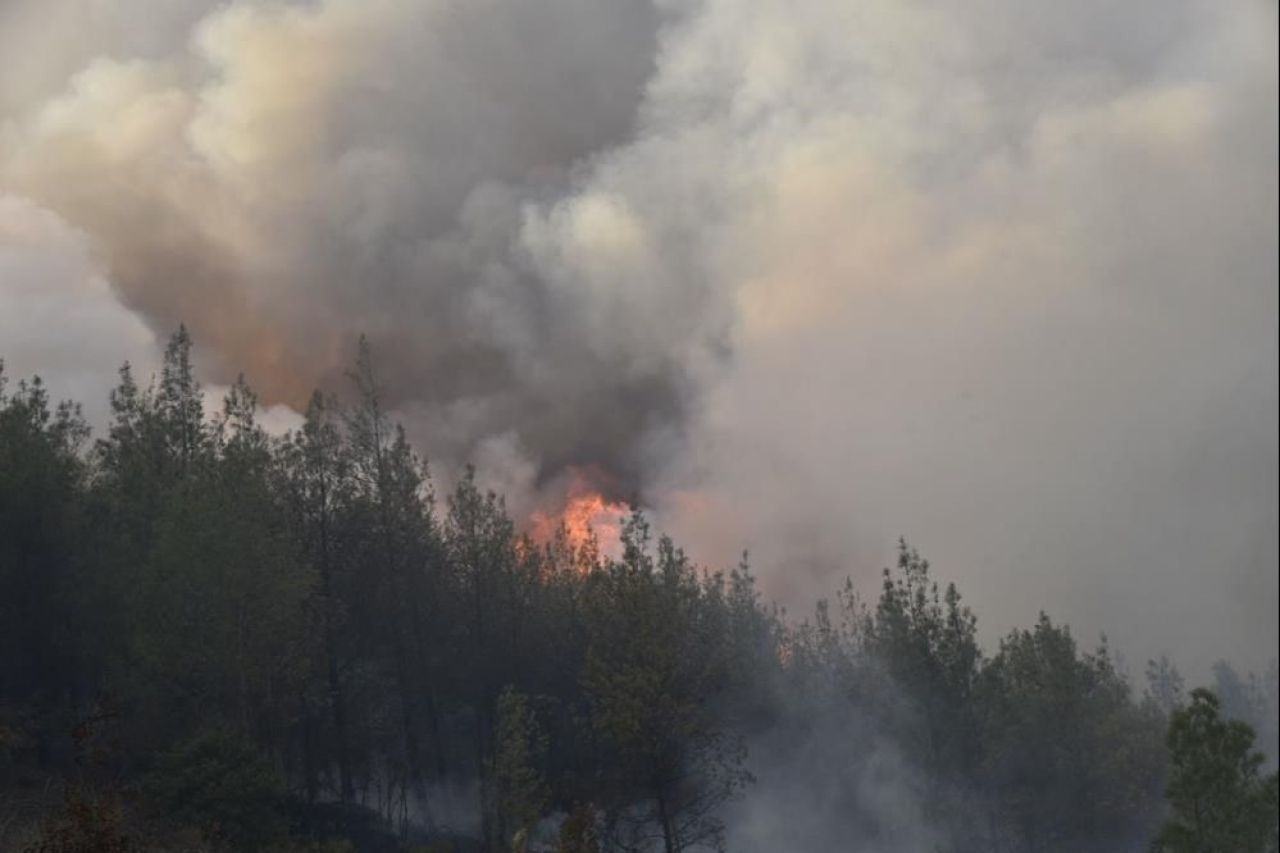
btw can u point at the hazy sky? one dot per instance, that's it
(999, 276)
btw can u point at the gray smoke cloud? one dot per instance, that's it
(801, 276)
(285, 177)
(841, 785)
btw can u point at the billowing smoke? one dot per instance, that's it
(800, 276)
(286, 177)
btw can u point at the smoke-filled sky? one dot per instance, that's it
(799, 276)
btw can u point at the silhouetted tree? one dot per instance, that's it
(296, 644)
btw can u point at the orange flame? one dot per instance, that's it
(586, 513)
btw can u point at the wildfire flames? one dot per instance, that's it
(585, 512)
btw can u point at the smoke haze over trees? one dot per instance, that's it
(217, 638)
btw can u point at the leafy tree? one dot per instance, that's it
(1069, 758)
(180, 404)
(1219, 799)
(522, 794)
(220, 634)
(492, 581)
(401, 559)
(276, 624)
(151, 470)
(927, 642)
(45, 599)
(651, 673)
(317, 484)
(218, 782)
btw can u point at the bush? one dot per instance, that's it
(84, 824)
(220, 783)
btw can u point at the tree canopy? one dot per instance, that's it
(215, 638)
(1219, 798)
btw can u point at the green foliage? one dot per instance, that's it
(926, 641)
(654, 662)
(293, 637)
(521, 747)
(42, 578)
(220, 783)
(1220, 801)
(1098, 774)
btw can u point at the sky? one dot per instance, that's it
(798, 277)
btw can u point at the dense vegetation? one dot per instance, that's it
(211, 638)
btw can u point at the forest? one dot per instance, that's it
(213, 638)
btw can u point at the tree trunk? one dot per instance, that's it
(487, 831)
(412, 749)
(669, 843)
(336, 697)
(310, 774)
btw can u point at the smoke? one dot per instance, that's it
(835, 783)
(800, 277)
(52, 293)
(286, 177)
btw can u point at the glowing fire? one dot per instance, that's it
(585, 512)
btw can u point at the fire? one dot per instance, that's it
(588, 514)
(585, 513)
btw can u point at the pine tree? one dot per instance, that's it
(521, 745)
(46, 608)
(1220, 801)
(318, 482)
(654, 663)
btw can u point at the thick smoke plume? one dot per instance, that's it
(285, 177)
(801, 277)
